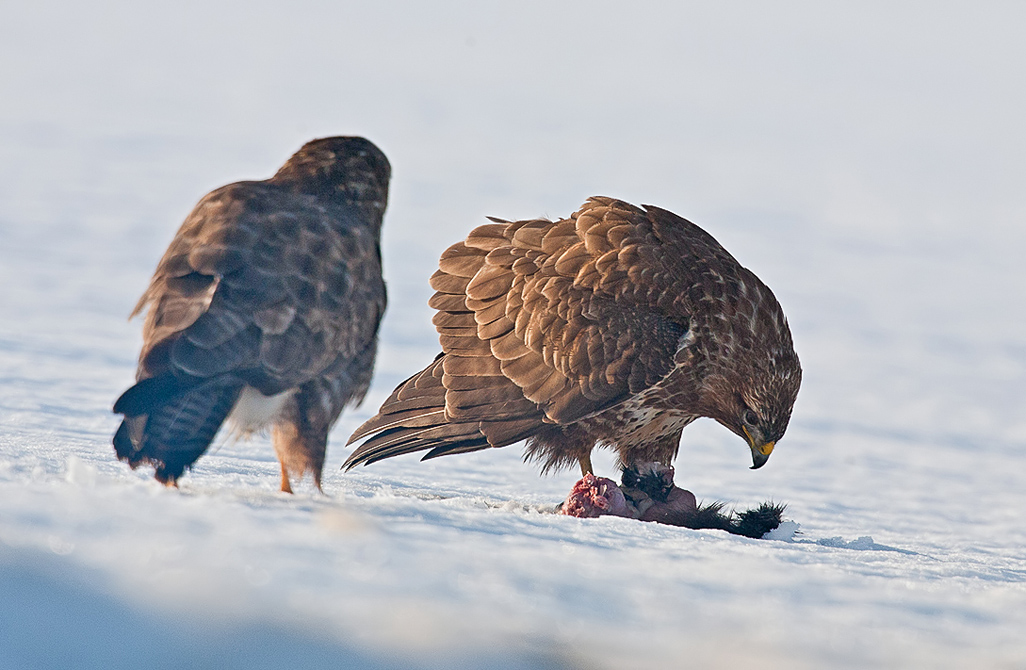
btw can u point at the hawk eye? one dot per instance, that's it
(750, 418)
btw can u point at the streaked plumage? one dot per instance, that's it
(266, 307)
(616, 327)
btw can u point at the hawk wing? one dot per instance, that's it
(547, 323)
(261, 287)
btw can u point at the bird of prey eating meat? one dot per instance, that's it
(615, 327)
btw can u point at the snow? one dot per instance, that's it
(866, 161)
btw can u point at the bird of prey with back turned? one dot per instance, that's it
(264, 311)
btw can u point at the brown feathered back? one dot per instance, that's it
(576, 332)
(266, 302)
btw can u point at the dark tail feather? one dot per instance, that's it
(170, 424)
(148, 393)
(420, 395)
(440, 440)
(413, 419)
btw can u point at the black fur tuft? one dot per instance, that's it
(708, 516)
(656, 485)
(752, 523)
(759, 521)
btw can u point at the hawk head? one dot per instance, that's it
(753, 374)
(347, 170)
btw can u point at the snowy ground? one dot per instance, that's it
(867, 163)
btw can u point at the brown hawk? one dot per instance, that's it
(615, 327)
(264, 310)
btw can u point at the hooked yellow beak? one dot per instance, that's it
(760, 452)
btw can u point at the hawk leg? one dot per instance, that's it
(299, 451)
(286, 486)
(586, 467)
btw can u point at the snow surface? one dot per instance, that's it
(867, 161)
